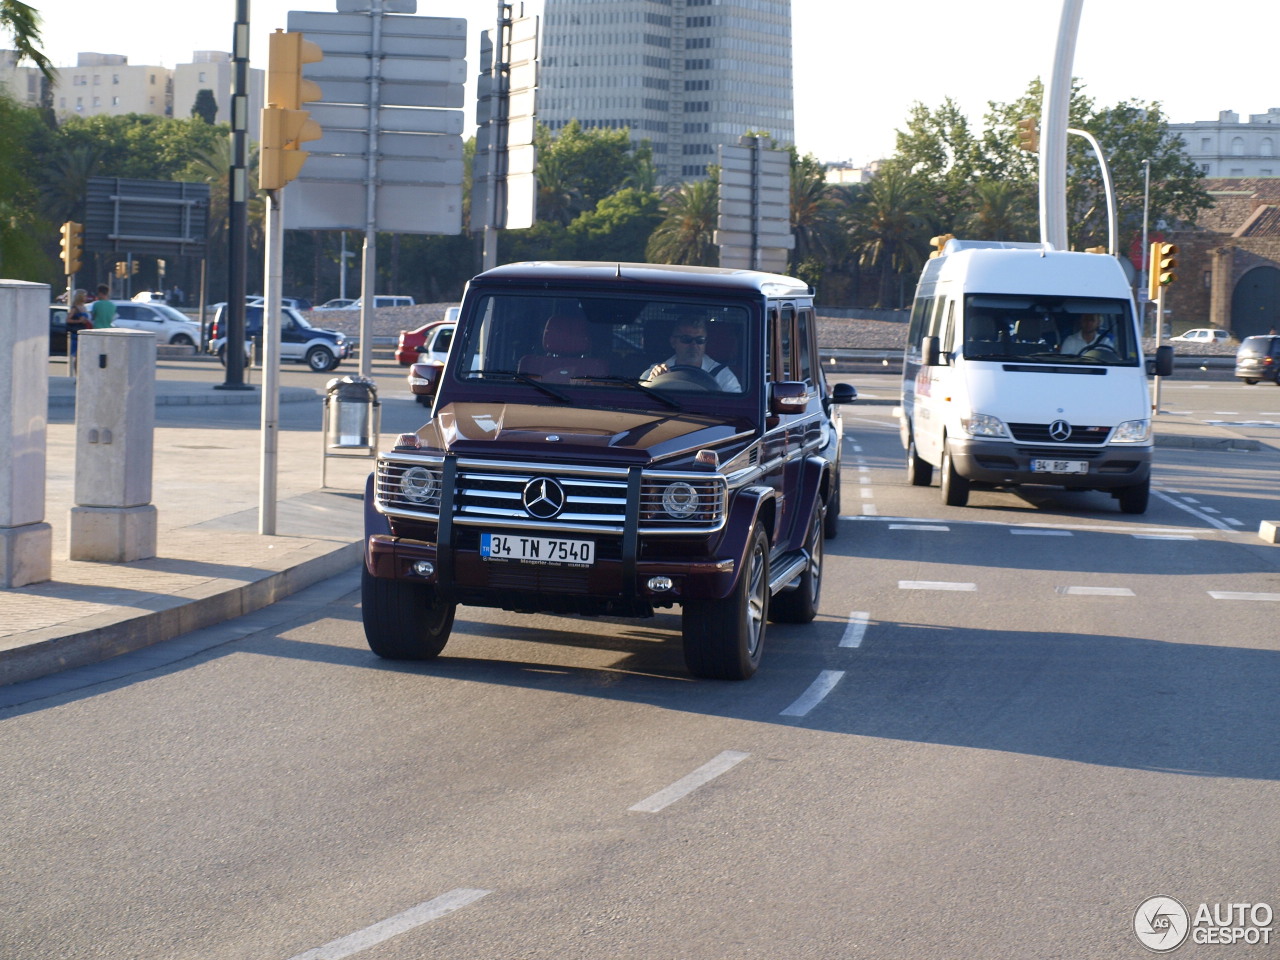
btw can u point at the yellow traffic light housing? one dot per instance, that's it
(1028, 135)
(285, 125)
(72, 245)
(1164, 265)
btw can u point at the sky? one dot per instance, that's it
(859, 65)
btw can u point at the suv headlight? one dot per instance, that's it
(1132, 431)
(680, 500)
(419, 485)
(983, 425)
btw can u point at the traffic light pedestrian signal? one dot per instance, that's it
(285, 125)
(1164, 266)
(1028, 135)
(72, 245)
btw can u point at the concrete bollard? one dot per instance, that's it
(114, 520)
(26, 541)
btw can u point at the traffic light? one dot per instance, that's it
(1164, 264)
(1028, 134)
(285, 124)
(72, 244)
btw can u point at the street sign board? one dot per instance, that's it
(146, 217)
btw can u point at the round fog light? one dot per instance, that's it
(660, 584)
(424, 568)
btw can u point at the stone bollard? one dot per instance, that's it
(114, 520)
(26, 541)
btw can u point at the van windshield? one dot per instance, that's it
(1044, 329)
(641, 345)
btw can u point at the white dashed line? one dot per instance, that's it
(934, 585)
(1163, 536)
(1040, 533)
(936, 527)
(1095, 591)
(818, 690)
(1233, 595)
(869, 510)
(394, 926)
(866, 493)
(856, 629)
(686, 785)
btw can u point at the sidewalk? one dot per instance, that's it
(212, 565)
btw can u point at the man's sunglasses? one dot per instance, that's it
(685, 338)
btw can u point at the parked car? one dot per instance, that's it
(1204, 335)
(384, 300)
(412, 342)
(337, 303)
(1259, 359)
(57, 329)
(319, 349)
(169, 325)
(567, 468)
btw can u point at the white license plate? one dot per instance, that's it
(1059, 466)
(506, 546)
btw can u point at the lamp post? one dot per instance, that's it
(1146, 206)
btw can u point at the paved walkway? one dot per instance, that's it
(212, 565)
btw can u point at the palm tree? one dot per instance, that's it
(896, 229)
(1001, 210)
(813, 212)
(22, 23)
(65, 182)
(686, 232)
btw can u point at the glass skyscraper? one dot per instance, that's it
(685, 75)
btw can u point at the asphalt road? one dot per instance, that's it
(1011, 724)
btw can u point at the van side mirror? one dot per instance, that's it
(930, 352)
(424, 378)
(1164, 361)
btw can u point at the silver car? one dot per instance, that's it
(169, 325)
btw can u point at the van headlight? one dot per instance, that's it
(1132, 431)
(983, 425)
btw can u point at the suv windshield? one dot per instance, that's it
(1045, 329)
(583, 342)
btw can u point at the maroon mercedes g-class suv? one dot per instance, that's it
(608, 439)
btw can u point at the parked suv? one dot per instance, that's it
(611, 439)
(1259, 359)
(321, 350)
(169, 325)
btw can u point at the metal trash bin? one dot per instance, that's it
(351, 406)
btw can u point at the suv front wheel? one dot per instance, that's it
(403, 621)
(723, 639)
(321, 360)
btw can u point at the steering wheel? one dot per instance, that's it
(1101, 352)
(686, 377)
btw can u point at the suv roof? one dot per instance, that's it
(668, 275)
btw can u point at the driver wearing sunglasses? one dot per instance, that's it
(689, 341)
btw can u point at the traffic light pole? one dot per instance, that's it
(271, 363)
(238, 206)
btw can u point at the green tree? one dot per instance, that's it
(897, 223)
(619, 227)
(22, 23)
(686, 232)
(20, 220)
(813, 217)
(939, 147)
(205, 106)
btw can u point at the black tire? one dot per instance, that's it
(831, 515)
(1134, 499)
(801, 604)
(402, 621)
(1251, 381)
(919, 472)
(955, 488)
(723, 639)
(222, 355)
(182, 340)
(321, 360)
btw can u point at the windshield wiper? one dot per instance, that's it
(519, 378)
(635, 384)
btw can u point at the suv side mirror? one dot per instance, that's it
(843, 393)
(424, 378)
(788, 396)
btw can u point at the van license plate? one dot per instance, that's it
(1059, 466)
(505, 546)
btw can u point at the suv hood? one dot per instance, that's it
(592, 435)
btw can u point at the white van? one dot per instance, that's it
(1024, 365)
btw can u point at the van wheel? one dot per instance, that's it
(801, 604)
(321, 360)
(1134, 499)
(955, 488)
(723, 639)
(919, 472)
(403, 621)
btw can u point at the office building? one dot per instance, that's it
(686, 75)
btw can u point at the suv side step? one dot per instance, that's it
(787, 570)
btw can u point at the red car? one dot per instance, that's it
(413, 341)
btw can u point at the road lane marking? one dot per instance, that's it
(869, 510)
(866, 493)
(1163, 536)
(686, 785)
(1040, 532)
(817, 691)
(937, 527)
(856, 629)
(1211, 521)
(934, 585)
(1234, 595)
(394, 926)
(1095, 591)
